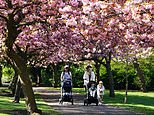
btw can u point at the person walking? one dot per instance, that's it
(89, 76)
(66, 75)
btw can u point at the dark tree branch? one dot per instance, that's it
(4, 8)
(9, 3)
(3, 17)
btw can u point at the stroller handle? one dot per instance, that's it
(67, 80)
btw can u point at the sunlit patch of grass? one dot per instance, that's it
(137, 101)
(43, 105)
(3, 114)
(79, 90)
(7, 106)
(52, 88)
(74, 90)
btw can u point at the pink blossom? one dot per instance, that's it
(74, 3)
(71, 22)
(148, 6)
(126, 10)
(67, 8)
(87, 9)
(122, 26)
(85, 2)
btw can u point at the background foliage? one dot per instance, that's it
(118, 69)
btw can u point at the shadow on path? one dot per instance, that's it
(51, 97)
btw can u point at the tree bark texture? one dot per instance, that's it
(55, 76)
(97, 66)
(25, 81)
(110, 75)
(19, 59)
(13, 83)
(111, 81)
(17, 91)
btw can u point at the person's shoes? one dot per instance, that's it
(14, 101)
(99, 103)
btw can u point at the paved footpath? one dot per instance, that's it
(51, 97)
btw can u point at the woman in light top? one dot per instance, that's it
(88, 76)
(65, 76)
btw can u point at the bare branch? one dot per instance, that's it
(3, 8)
(3, 17)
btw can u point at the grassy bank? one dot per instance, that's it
(7, 107)
(137, 101)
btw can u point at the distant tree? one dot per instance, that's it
(0, 75)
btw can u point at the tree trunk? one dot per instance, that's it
(39, 78)
(97, 66)
(13, 83)
(55, 77)
(36, 75)
(0, 75)
(28, 91)
(126, 91)
(19, 58)
(17, 91)
(25, 81)
(140, 75)
(109, 72)
(111, 81)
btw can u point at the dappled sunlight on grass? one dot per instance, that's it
(52, 88)
(137, 101)
(79, 90)
(7, 104)
(7, 107)
(43, 105)
(3, 114)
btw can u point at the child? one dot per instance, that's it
(100, 92)
(92, 90)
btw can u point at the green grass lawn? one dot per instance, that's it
(7, 107)
(137, 101)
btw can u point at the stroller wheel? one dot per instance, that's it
(97, 103)
(60, 101)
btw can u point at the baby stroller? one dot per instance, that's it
(66, 92)
(91, 94)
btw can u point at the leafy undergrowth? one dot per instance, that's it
(138, 102)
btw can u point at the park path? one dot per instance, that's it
(51, 97)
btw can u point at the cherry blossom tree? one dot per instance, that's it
(138, 40)
(95, 24)
(27, 26)
(55, 30)
(107, 29)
